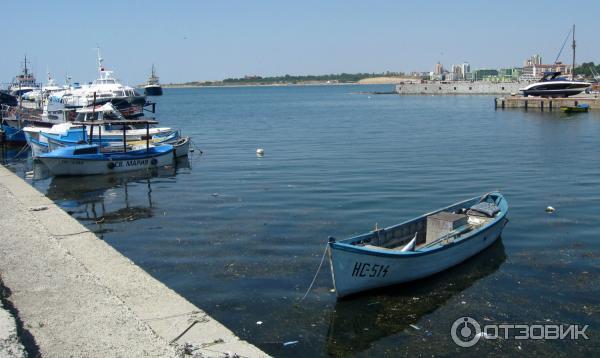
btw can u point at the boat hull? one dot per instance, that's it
(77, 166)
(153, 90)
(13, 135)
(573, 109)
(37, 148)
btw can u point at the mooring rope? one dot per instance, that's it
(316, 274)
(22, 150)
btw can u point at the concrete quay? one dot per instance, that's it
(546, 104)
(73, 295)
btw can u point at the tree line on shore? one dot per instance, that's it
(293, 79)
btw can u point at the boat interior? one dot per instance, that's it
(434, 229)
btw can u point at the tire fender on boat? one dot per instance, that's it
(111, 165)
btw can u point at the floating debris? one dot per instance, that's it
(550, 209)
(290, 343)
(260, 152)
(258, 323)
(215, 194)
(415, 327)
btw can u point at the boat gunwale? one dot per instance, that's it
(345, 244)
(107, 156)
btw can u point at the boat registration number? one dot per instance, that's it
(364, 269)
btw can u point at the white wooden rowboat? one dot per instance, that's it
(417, 248)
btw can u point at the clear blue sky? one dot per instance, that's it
(206, 40)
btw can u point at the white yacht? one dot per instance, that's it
(553, 85)
(106, 88)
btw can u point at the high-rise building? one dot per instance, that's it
(466, 69)
(457, 72)
(534, 60)
(439, 69)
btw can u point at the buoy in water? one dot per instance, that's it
(260, 152)
(550, 209)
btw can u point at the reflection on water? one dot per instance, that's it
(355, 324)
(86, 197)
(9, 153)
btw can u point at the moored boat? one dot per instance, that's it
(109, 130)
(24, 82)
(580, 108)
(89, 158)
(181, 146)
(417, 248)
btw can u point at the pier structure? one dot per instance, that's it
(73, 295)
(546, 104)
(459, 88)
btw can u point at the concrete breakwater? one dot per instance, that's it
(77, 296)
(460, 88)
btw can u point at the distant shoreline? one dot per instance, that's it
(264, 85)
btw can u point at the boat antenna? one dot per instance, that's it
(573, 69)
(100, 59)
(563, 46)
(25, 65)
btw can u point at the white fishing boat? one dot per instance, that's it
(417, 248)
(109, 130)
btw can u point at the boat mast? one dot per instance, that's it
(573, 69)
(25, 66)
(100, 66)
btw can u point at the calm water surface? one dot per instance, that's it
(242, 236)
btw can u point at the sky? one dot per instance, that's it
(212, 40)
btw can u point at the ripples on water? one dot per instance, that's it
(242, 236)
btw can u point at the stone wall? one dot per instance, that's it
(461, 88)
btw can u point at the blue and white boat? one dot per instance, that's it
(108, 131)
(77, 136)
(419, 247)
(89, 159)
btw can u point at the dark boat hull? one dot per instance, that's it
(153, 90)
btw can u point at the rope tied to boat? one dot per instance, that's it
(316, 273)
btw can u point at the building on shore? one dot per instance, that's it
(438, 69)
(535, 72)
(465, 70)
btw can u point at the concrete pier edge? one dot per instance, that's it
(78, 296)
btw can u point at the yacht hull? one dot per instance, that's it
(153, 90)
